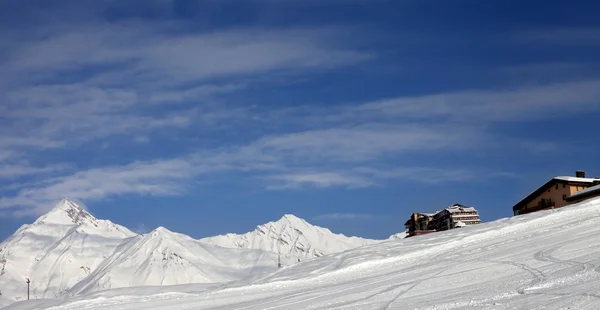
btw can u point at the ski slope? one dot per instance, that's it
(67, 252)
(543, 260)
(163, 257)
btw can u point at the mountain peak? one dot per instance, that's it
(290, 235)
(67, 212)
(291, 218)
(160, 231)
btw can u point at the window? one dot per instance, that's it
(564, 185)
(556, 186)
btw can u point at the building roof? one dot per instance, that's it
(591, 191)
(461, 209)
(555, 180)
(575, 179)
(457, 208)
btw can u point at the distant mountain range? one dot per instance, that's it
(290, 236)
(68, 252)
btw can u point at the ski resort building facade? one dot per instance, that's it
(588, 193)
(559, 192)
(419, 224)
(454, 216)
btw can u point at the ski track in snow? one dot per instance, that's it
(545, 260)
(68, 253)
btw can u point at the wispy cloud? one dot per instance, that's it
(11, 171)
(141, 139)
(138, 67)
(143, 81)
(528, 103)
(144, 178)
(343, 217)
(422, 174)
(366, 141)
(319, 180)
(150, 53)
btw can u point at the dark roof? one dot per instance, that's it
(549, 184)
(589, 192)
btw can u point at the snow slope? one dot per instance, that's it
(544, 260)
(290, 236)
(166, 258)
(400, 235)
(56, 251)
(68, 252)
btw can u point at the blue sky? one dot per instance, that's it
(209, 117)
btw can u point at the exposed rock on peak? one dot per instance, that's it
(290, 236)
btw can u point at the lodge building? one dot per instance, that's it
(454, 216)
(559, 192)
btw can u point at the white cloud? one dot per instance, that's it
(317, 179)
(484, 106)
(157, 63)
(141, 139)
(367, 141)
(194, 94)
(144, 178)
(343, 217)
(11, 171)
(5, 154)
(423, 174)
(138, 71)
(56, 116)
(144, 50)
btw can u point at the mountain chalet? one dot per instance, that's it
(559, 192)
(454, 216)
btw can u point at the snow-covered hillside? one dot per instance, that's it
(544, 260)
(400, 235)
(56, 251)
(68, 252)
(166, 258)
(290, 236)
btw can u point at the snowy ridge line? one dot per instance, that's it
(68, 253)
(510, 227)
(117, 255)
(546, 259)
(290, 236)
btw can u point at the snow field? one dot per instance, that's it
(545, 260)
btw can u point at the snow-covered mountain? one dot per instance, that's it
(290, 236)
(542, 260)
(68, 252)
(55, 252)
(163, 257)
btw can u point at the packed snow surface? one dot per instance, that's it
(544, 260)
(68, 252)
